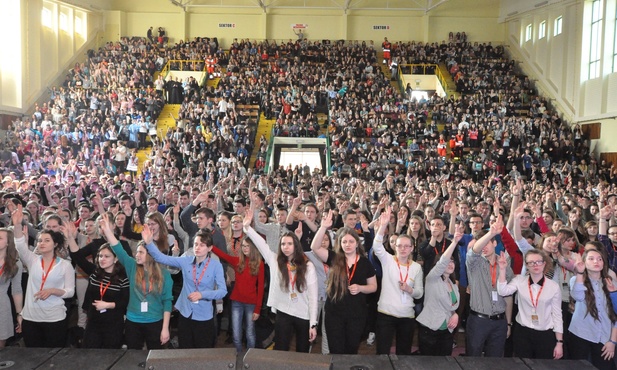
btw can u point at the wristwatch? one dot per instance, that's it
(314, 326)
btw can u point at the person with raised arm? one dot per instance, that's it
(203, 281)
(488, 325)
(149, 308)
(321, 240)
(539, 325)
(106, 296)
(10, 275)
(293, 288)
(50, 280)
(441, 300)
(593, 330)
(351, 279)
(248, 291)
(402, 282)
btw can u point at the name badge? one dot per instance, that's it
(294, 297)
(404, 298)
(144, 306)
(534, 319)
(494, 295)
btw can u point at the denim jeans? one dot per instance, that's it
(242, 312)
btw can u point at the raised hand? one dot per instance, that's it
(17, 215)
(497, 226)
(69, 230)
(502, 261)
(248, 218)
(298, 230)
(606, 212)
(384, 220)
(579, 267)
(327, 220)
(458, 233)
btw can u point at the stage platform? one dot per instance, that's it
(16, 358)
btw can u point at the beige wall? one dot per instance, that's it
(556, 63)
(47, 52)
(327, 22)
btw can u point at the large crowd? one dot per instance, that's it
(436, 213)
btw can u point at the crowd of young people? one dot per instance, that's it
(399, 239)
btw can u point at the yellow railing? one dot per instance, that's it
(182, 66)
(436, 71)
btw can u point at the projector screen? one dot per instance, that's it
(300, 157)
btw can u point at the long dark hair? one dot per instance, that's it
(298, 259)
(10, 260)
(116, 274)
(590, 298)
(337, 279)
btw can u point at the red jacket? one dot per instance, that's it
(248, 288)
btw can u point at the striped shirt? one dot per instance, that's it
(482, 287)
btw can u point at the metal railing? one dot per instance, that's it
(182, 65)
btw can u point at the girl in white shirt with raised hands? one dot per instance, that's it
(293, 288)
(400, 285)
(51, 280)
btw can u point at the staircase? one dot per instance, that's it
(164, 122)
(450, 84)
(385, 68)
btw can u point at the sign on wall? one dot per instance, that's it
(299, 26)
(380, 27)
(227, 25)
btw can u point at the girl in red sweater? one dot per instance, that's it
(248, 291)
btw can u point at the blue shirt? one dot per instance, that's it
(583, 325)
(211, 286)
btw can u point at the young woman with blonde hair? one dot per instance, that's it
(149, 308)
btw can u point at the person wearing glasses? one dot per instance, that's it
(400, 285)
(539, 325)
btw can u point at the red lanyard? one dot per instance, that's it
(201, 276)
(102, 289)
(565, 274)
(493, 273)
(149, 286)
(534, 305)
(292, 276)
(353, 271)
(443, 247)
(326, 268)
(2, 269)
(45, 273)
(400, 273)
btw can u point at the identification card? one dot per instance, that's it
(494, 295)
(103, 311)
(294, 297)
(144, 306)
(534, 319)
(565, 285)
(404, 298)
